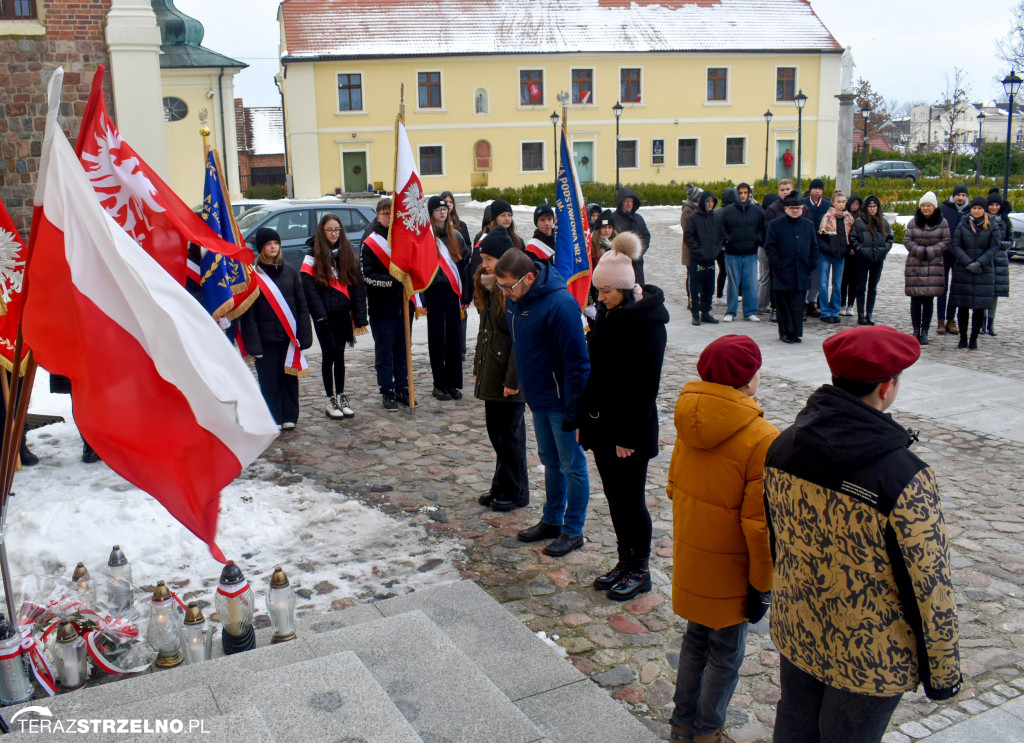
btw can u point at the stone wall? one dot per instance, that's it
(74, 40)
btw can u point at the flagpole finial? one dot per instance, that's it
(204, 129)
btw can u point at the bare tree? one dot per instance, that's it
(954, 110)
(1010, 48)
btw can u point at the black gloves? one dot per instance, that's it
(757, 604)
(974, 267)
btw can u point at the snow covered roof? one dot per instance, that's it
(267, 131)
(338, 29)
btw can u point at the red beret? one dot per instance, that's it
(732, 360)
(870, 354)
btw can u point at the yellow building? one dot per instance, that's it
(482, 79)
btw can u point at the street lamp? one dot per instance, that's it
(1011, 84)
(554, 139)
(977, 163)
(767, 136)
(801, 101)
(865, 113)
(617, 109)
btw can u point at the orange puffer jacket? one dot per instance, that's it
(715, 484)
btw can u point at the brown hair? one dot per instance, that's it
(515, 263)
(452, 235)
(516, 240)
(324, 264)
(479, 292)
(278, 262)
(453, 215)
(385, 202)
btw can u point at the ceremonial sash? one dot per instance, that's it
(307, 268)
(295, 362)
(539, 249)
(451, 270)
(382, 250)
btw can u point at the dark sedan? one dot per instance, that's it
(296, 221)
(889, 169)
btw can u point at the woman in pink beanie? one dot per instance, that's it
(619, 420)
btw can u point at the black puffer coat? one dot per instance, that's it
(383, 291)
(792, 249)
(974, 243)
(260, 323)
(870, 246)
(323, 299)
(626, 346)
(927, 240)
(494, 365)
(1001, 262)
(703, 232)
(742, 227)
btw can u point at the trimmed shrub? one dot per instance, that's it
(265, 191)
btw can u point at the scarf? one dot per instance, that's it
(981, 223)
(828, 224)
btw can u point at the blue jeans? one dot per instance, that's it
(830, 304)
(813, 712)
(741, 271)
(566, 481)
(709, 669)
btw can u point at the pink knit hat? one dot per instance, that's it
(615, 269)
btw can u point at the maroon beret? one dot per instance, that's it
(732, 360)
(870, 354)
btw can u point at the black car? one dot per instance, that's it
(889, 169)
(296, 221)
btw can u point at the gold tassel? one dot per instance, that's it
(360, 331)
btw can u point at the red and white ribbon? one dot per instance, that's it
(295, 361)
(235, 593)
(382, 250)
(309, 268)
(96, 653)
(539, 249)
(41, 668)
(451, 270)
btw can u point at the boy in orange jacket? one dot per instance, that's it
(722, 576)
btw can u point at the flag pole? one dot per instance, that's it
(406, 296)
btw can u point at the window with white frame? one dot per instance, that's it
(718, 78)
(531, 87)
(429, 84)
(629, 85)
(785, 83)
(583, 85)
(687, 151)
(627, 153)
(532, 155)
(350, 91)
(657, 152)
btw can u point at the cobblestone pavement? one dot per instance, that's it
(429, 467)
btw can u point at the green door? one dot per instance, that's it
(354, 166)
(781, 147)
(583, 158)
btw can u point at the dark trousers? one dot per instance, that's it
(789, 309)
(921, 309)
(702, 286)
(389, 353)
(280, 389)
(846, 290)
(977, 321)
(867, 274)
(506, 427)
(444, 336)
(947, 310)
(720, 286)
(813, 712)
(333, 337)
(709, 669)
(624, 480)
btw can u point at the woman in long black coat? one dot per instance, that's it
(974, 248)
(871, 239)
(619, 420)
(999, 211)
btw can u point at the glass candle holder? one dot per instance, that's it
(281, 606)
(235, 604)
(14, 684)
(119, 581)
(196, 635)
(69, 658)
(164, 625)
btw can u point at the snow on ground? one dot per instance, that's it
(65, 511)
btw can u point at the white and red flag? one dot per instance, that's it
(158, 391)
(414, 258)
(12, 273)
(137, 198)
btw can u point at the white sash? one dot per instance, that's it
(539, 249)
(451, 270)
(295, 361)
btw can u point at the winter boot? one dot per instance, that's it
(719, 736)
(89, 455)
(679, 733)
(923, 337)
(990, 326)
(343, 405)
(696, 319)
(613, 576)
(636, 580)
(28, 459)
(331, 409)
(973, 343)
(388, 401)
(941, 327)
(708, 318)
(917, 332)
(963, 340)
(951, 327)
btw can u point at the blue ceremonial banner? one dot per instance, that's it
(572, 229)
(226, 288)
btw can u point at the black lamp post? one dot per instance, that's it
(1011, 84)
(801, 101)
(767, 136)
(617, 109)
(865, 113)
(554, 139)
(977, 163)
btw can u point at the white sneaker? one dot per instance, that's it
(753, 318)
(332, 409)
(343, 406)
(728, 318)
(287, 426)
(720, 300)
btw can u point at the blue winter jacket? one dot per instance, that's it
(549, 345)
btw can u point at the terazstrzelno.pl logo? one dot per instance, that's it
(40, 720)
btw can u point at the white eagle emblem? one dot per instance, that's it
(11, 269)
(415, 214)
(121, 185)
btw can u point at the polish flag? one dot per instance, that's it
(414, 258)
(12, 272)
(159, 392)
(136, 197)
(585, 97)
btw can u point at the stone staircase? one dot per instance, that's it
(443, 665)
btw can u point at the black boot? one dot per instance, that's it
(89, 456)
(963, 340)
(708, 318)
(990, 326)
(637, 580)
(696, 319)
(28, 459)
(539, 531)
(917, 332)
(613, 576)
(923, 337)
(564, 544)
(870, 309)
(973, 343)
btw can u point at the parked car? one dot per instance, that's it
(889, 169)
(296, 222)
(1017, 249)
(238, 206)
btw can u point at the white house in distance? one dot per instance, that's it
(929, 126)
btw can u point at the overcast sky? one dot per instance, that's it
(903, 48)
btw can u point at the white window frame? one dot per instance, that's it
(725, 151)
(697, 151)
(728, 85)
(543, 155)
(443, 109)
(543, 90)
(419, 160)
(662, 140)
(618, 86)
(636, 150)
(362, 93)
(487, 101)
(593, 87)
(796, 84)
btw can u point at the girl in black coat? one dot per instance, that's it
(871, 239)
(999, 211)
(975, 244)
(619, 420)
(336, 297)
(444, 301)
(267, 340)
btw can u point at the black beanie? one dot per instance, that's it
(995, 197)
(818, 183)
(607, 217)
(979, 201)
(994, 190)
(265, 235)
(960, 189)
(496, 242)
(499, 206)
(541, 210)
(434, 202)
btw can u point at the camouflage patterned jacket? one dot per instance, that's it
(863, 599)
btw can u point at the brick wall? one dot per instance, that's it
(74, 40)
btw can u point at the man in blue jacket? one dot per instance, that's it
(553, 365)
